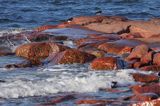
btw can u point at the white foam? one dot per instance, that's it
(63, 82)
(11, 31)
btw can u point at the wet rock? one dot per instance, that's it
(148, 102)
(151, 68)
(144, 97)
(111, 19)
(137, 64)
(112, 37)
(72, 32)
(71, 56)
(145, 78)
(39, 36)
(112, 47)
(151, 88)
(138, 52)
(46, 27)
(83, 41)
(156, 59)
(147, 58)
(145, 29)
(60, 99)
(104, 63)
(38, 50)
(93, 51)
(24, 64)
(130, 36)
(90, 101)
(115, 27)
(4, 51)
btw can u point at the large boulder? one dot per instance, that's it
(145, 78)
(151, 88)
(38, 50)
(138, 52)
(105, 63)
(71, 56)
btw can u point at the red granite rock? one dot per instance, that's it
(38, 50)
(147, 58)
(145, 78)
(137, 64)
(60, 99)
(104, 63)
(84, 20)
(138, 52)
(151, 88)
(144, 97)
(151, 68)
(114, 48)
(71, 56)
(93, 51)
(83, 41)
(90, 101)
(156, 59)
(130, 36)
(45, 27)
(155, 102)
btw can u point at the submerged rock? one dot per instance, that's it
(4, 51)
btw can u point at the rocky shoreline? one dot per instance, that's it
(106, 42)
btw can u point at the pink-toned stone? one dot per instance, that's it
(151, 88)
(138, 52)
(71, 56)
(104, 63)
(145, 78)
(156, 59)
(38, 50)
